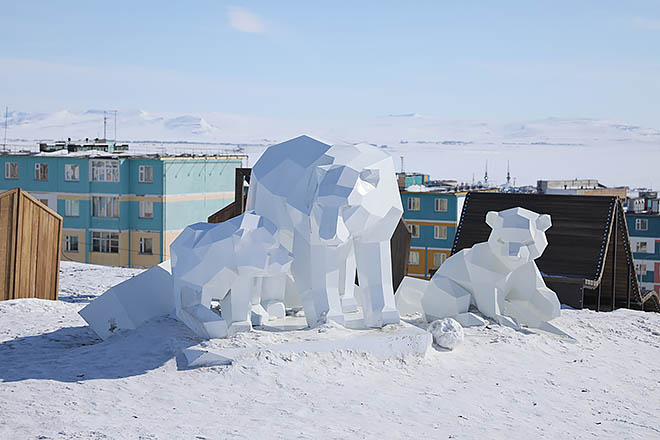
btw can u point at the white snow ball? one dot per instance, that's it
(447, 333)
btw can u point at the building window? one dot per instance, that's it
(71, 243)
(72, 208)
(146, 245)
(40, 171)
(11, 170)
(439, 258)
(413, 260)
(413, 204)
(146, 209)
(440, 205)
(146, 174)
(104, 170)
(106, 242)
(44, 201)
(414, 230)
(641, 224)
(440, 232)
(641, 269)
(71, 172)
(641, 246)
(105, 206)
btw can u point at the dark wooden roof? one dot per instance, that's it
(581, 244)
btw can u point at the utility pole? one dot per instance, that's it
(115, 126)
(401, 164)
(508, 174)
(105, 122)
(4, 145)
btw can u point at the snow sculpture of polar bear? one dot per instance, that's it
(499, 276)
(336, 207)
(225, 262)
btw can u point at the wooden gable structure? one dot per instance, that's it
(30, 242)
(588, 261)
(399, 244)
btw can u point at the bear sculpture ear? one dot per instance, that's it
(544, 222)
(494, 220)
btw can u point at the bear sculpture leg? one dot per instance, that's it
(375, 277)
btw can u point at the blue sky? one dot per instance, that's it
(504, 60)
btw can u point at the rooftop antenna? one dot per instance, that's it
(4, 145)
(486, 174)
(115, 126)
(401, 164)
(508, 174)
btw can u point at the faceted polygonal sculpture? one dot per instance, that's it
(499, 277)
(131, 303)
(336, 208)
(226, 263)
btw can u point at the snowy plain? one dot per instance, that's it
(59, 381)
(617, 153)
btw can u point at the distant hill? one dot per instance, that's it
(617, 153)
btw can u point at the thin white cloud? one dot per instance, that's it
(647, 23)
(245, 20)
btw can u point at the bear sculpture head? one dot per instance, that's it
(517, 236)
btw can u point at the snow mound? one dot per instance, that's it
(447, 333)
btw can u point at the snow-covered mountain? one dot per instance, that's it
(615, 152)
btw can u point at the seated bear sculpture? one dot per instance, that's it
(336, 208)
(226, 262)
(499, 276)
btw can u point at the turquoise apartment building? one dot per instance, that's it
(644, 230)
(122, 209)
(432, 218)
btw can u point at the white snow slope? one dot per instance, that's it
(59, 381)
(615, 152)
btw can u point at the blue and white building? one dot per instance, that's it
(122, 209)
(643, 219)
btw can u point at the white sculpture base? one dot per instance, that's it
(395, 340)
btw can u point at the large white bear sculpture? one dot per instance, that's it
(336, 207)
(499, 276)
(225, 262)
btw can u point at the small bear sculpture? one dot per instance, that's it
(499, 276)
(226, 262)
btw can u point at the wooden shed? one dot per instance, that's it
(399, 244)
(588, 261)
(30, 243)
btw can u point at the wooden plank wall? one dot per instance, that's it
(32, 260)
(8, 211)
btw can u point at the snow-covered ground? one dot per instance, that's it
(59, 381)
(617, 153)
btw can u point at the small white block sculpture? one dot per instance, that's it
(131, 303)
(336, 208)
(499, 276)
(226, 262)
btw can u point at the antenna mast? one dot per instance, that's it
(486, 174)
(508, 174)
(105, 122)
